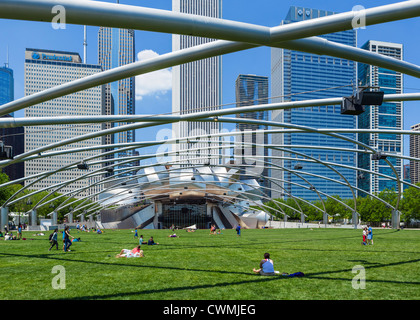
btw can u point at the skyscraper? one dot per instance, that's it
(116, 47)
(415, 152)
(6, 85)
(45, 69)
(299, 76)
(389, 115)
(252, 90)
(11, 136)
(196, 86)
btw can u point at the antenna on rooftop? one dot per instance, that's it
(7, 58)
(84, 45)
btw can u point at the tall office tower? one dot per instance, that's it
(11, 136)
(252, 90)
(115, 49)
(415, 153)
(6, 85)
(389, 115)
(297, 76)
(196, 87)
(45, 69)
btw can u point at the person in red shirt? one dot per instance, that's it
(135, 252)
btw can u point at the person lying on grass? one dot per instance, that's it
(134, 253)
(173, 236)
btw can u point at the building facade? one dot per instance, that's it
(14, 137)
(6, 85)
(297, 76)
(252, 90)
(11, 136)
(389, 115)
(196, 86)
(45, 69)
(414, 167)
(116, 47)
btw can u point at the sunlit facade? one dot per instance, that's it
(196, 86)
(45, 69)
(297, 76)
(389, 115)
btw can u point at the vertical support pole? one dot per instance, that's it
(54, 217)
(4, 219)
(355, 219)
(325, 219)
(396, 219)
(34, 218)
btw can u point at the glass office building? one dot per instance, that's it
(11, 136)
(299, 76)
(6, 85)
(252, 90)
(389, 115)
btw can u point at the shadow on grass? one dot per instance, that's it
(258, 279)
(326, 275)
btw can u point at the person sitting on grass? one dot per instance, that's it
(266, 266)
(134, 253)
(213, 229)
(141, 240)
(151, 242)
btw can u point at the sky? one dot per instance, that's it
(153, 91)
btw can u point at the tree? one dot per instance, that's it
(410, 204)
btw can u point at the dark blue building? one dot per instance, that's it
(297, 76)
(6, 85)
(11, 136)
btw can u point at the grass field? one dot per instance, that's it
(199, 266)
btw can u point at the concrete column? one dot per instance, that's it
(395, 219)
(355, 219)
(325, 218)
(91, 218)
(34, 218)
(54, 217)
(70, 217)
(82, 218)
(4, 219)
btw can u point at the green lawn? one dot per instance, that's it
(200, 266)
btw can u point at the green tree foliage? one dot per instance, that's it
(369, 208)
(5, 192)
(410, 204)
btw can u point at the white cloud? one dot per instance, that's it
(155, 83)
